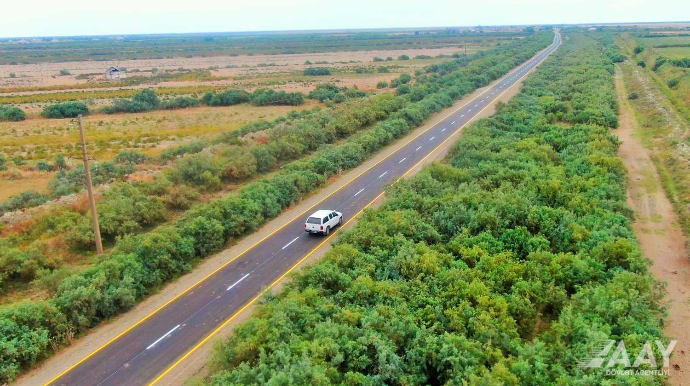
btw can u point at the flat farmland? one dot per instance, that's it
(674, 52)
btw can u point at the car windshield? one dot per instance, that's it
(313, 220)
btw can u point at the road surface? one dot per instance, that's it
(157, 343)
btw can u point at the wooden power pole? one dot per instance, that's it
(89, 188)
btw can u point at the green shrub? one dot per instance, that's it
(198, 169)
(642, 63)
(131, 157)
(672, 83)
(12, 114)
(403, 57)
(65, 110)
(145, 100)
(3, 163)
(27, 199)
(633, 95)
(317, 71)
(179, 103)
(382, 84)
(18, 160)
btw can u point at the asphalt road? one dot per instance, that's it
(149, 349)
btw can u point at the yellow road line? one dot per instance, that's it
(118, 336)
(292, 268)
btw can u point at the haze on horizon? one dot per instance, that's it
(81, 17)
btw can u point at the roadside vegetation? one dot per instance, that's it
(504, 264)
(148, 246)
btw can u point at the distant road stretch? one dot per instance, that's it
(157, 343)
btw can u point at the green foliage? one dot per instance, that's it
(3, 162)
(125, 209)
(12, 114)
(382, 84)
(74, 180)
(633, 95)
(402, 79)
(179, 103)
(145, 100)
(317, 71)
(329, 91)
(506, 264)
(27, 199)
(131, 157)
(197, 169)
(65, 110)
(642, 63)
(18, 160)
(403, 57)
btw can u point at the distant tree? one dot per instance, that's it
(403, 57)
(65, 72)
(642, 63)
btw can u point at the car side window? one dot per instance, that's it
(334, 215)
(325, 220)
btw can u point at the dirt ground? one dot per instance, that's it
(196, 365)
(660, 236)
(47, 74)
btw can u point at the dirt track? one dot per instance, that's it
(660, 236)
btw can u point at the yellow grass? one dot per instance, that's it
(149, 132)
(27, 181)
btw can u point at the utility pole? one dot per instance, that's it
(89, 188)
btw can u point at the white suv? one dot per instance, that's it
(322, 221)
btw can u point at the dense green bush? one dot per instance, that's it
(3, 162)
(505, 265)
(329, 91)
(179, 103)
(131, 157)
(12, 114)
(403, 57)
(316, 71)
(264, 97)
(65, 110)
(382, 84)
(27, 199)
(145, 100)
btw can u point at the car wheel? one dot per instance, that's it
(327, 231)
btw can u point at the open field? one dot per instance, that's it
(142, 47)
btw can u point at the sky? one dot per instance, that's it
(114, 17)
